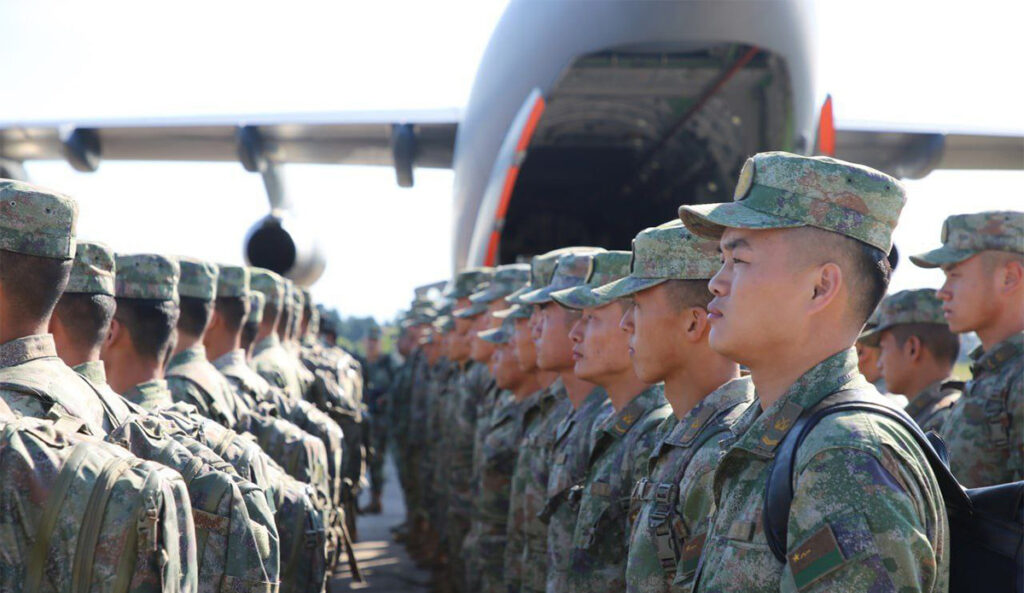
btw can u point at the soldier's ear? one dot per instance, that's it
(117, 329)
(1013, 275)
(912, 348)
(827, 283)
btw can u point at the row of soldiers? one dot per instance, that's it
(167, 424)
(609, 421)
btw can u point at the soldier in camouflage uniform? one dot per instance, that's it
(804, 249)
(190, 376)
(595, 551)
(917, 354)
(37, 245)
(379, 371)
(667, 323)
(982, 256)
(269, 357)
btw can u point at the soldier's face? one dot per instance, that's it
(459, 346)
(896, 362)
(554, 348)
(867, 362)
(507, 373)
(600, 346)
(967, 295)
(654, 325)
(482, 350)
(759, 307)
(525, 349)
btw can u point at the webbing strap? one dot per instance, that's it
(146, 538)
(89, 536)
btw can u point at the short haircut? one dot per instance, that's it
(249, 331)
(195, 315)
(866, 269)
(935, 337)
(86, 317)
(993, 259)
(233, 311)
(685, 294)
(32, 284)
(150, 325)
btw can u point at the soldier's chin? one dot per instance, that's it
(721, 341)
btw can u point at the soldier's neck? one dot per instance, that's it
(186, 341)
(622, 388)
(545, 378)
(1008, 323)
(576, 388)
(527, 387)
(703, 371)
(774, 374)
(12, 328)
(927, 373)
(131, 370)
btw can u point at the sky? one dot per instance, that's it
(937, 66)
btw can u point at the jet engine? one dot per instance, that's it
(281, 243)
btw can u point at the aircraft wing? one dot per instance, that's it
(914, 154)
(403, 140)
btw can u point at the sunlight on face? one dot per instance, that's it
(554, 349)
(965, 294)
(600, 346)
(654, 324)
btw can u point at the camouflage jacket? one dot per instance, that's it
(671, 505)
(471, 386)
(536, 411)
(29, 367)
(277, 366)
(400, 410)
(866, 515)
(379, 377)
(570, 452)
(622, 444)
(495, 400)
(931, 407)
(194, 380)
(497, 458)
(984, 432)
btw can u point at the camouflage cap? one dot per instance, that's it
(965, 235)
(307, 300)
(444, 324)
(198, 279)
(146, 276)
(501, 334)
(779, 190)
(542, 267)
(571, 269)
(269, 283)
(232, 281)
(608, 267)
(517, 311)
(469, 281)
(906, 306)
(35, 221)
(473, 310)
(92, 272)
(507, 279)
(665, 252)
(256, 302)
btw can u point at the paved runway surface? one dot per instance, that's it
(385, 565)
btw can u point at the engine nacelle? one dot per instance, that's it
(280, 243)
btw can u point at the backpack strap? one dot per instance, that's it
(205, 384)
(779, 488)
(92, 522)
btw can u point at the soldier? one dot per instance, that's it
(622, 440)
(253, 320)
(190, 376)
(668, 327)
(918, 353)
(379, 370)
(269, 358)
(982, 256)
(804, 264)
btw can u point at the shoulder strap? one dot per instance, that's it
(779, 488)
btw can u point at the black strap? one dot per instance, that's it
(779, 488)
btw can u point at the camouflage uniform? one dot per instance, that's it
(380, 376)
(984, 431)
(866, 512)
(930, 407)
(269, 357)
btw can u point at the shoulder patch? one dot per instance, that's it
(815, 558)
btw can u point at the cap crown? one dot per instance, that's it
(232, 281)
(35, 221)
(146, 276)
(269, 283)
(670, 251)
(256, 302)
(469, 281)
(609, 266)
(198, 279)
(997, 230)
(910, 306)
(92, 271)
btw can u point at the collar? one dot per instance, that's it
(197, 352)
(829, 376)
(619, 423)
(1003, 352)
(230, 359)
(22, 350)
(92, 370)
(266, 343)
(730, 394)
(151, 395)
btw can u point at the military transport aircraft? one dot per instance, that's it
(588, 119)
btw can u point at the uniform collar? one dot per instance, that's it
(266, 343)
(829, 376)
(151, 395)
(230, 359)
(619, 423)
(22, 350)
(92, 370)
(1000, 354)
(197, 352)
(730, 394)
(927, 397)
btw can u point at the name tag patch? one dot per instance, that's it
(815, 558)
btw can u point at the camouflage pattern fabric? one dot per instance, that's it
(965, 235)
(379, 377)
(906, 306)
(35, 221)
(193, 380)
(931, 407)
(92, 271)
(570, 456)
(277, 366)
(984, 431)
(622, 443)
(671, 505)
(867, 514)
(779, 190)
(146, 276)
(198, 279)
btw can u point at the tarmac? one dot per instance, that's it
(385, 565)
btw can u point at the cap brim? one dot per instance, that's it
(494, 336)
(624, 287)
(515, 312)
(537, 297)
(711, 220)
(943, 256)
(580, 297)
(470, 311)
(871, 337)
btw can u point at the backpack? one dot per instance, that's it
(302, 455)
(304, 542)
(986, 524)
(90, 516)
(231, 548)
